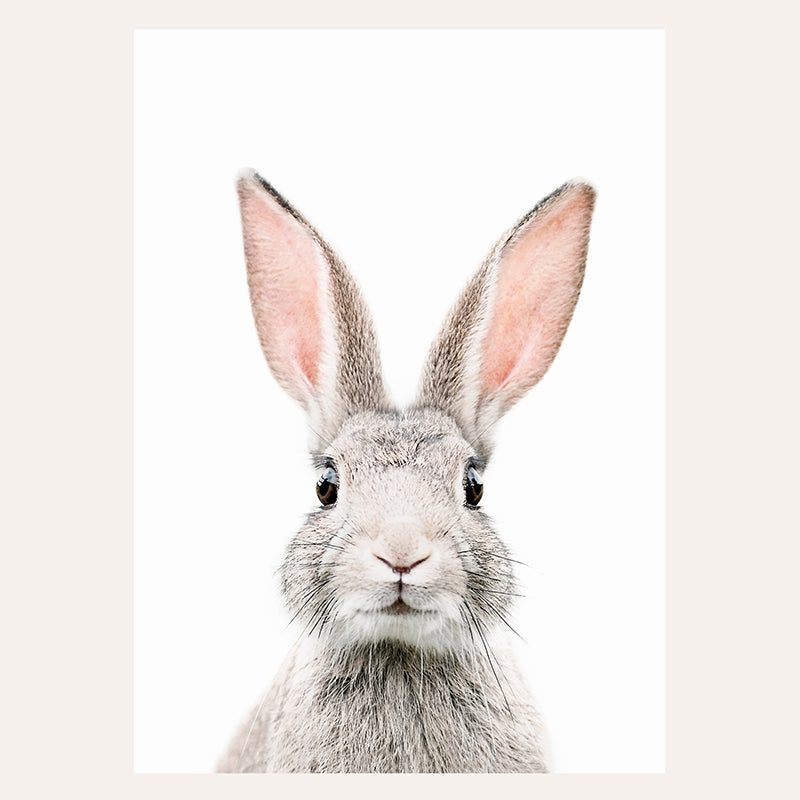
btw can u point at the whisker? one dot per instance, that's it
(346, 532)
(311, 594)
(477, 671)
(494, 591)
(326, 442)
(473, 549)
(483, 576)
(326, 545)
(468, 624)
(486, 648)
(502, 617)
(320, 613)
(252, 725)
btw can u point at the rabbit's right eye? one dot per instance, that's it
(328, 486)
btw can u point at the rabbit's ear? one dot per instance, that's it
(313, 325)
(506, 327)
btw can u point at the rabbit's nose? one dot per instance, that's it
(401, 544)
(403, 567)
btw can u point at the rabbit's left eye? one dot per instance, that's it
(328, 486)
(473, 486)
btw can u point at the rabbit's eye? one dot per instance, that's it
(473, 487)
(328, 486)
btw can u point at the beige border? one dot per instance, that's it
(67, 471)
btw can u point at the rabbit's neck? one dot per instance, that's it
(390, 708)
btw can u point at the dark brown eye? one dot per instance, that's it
(328, 486)
(473, 487)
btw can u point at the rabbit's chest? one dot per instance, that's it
(399, 720)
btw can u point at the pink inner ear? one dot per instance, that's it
(285, 268)
(538, 283)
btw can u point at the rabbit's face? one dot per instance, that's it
(399, 549)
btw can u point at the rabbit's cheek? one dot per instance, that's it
(331, 554)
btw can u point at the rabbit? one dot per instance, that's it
(398, 579)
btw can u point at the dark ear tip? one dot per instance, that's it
(582, 187)
(578, 193)
(577, 189)
(248, 178)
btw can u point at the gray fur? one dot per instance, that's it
(385, 708)
(449, 380)
(359, 376)
(446, 383)
(400, 590)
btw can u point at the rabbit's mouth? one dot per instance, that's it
(427, 626)
(401, 607)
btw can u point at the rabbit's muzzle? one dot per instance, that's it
(400, 546)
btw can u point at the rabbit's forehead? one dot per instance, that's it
(400, 440)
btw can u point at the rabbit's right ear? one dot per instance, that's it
(313, 325)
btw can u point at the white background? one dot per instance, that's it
(411, 151)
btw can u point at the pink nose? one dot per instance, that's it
(401, 569)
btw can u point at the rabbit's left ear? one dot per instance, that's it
(506, 327)
(313, 325)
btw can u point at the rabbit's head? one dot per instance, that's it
(399, 548)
